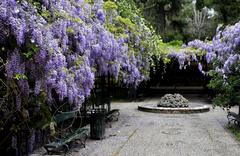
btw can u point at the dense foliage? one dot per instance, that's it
(224, 55)
(63, 45)
(51, 51)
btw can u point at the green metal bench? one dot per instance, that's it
(63, 144)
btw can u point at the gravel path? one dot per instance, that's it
(148, 134)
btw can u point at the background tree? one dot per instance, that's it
(228, 10)
(201, 23)
(172, 18)
(162, 15)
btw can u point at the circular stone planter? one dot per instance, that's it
(186, 110)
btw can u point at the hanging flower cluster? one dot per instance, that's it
(184, 59)
(133, 34)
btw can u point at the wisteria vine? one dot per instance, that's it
(223, 51)
(67, 45)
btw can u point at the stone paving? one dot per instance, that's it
(149, 134)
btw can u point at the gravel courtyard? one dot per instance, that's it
(148, 134)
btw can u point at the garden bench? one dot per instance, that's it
(63, 144)
(233, 117)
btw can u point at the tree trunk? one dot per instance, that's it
(162, 15)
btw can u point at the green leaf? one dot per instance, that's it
(46, 14)
(110, 6)
(70, 30)
(20, 76)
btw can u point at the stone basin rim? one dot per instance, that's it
(169, 110)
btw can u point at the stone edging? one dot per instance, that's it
(152, 109)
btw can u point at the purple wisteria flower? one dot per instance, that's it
(100, 15)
